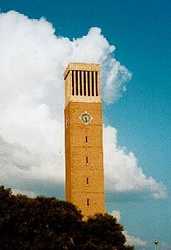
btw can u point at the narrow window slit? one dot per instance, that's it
(72, 82)
(88, 79)
(84, 83)
(76, 72)
(80, 82)
(96, 78)
(86, 139)
(88, 202)
(87, 181)
(92, 78)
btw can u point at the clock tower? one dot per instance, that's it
(84, 175)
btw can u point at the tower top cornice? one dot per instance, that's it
(82, 83)
(82, 67)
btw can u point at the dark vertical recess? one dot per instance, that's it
(96, 79)
(84, 83)
(72, 82)
(80, 72)
(88, 202)
(86, 138)
(76, 72)
(92, 78)
(88, 79)
(87, 180)
(86, 159)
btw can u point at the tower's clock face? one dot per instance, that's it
(86, 118)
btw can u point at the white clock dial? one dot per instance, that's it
(86, 118)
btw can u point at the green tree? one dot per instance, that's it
(103, 232)
(49, 224)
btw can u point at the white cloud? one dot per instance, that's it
(131, 240)
(25, 192)
(116, 214)
(134, 240)
(122, 170)
(32, 63)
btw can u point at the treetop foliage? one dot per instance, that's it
(49, 224)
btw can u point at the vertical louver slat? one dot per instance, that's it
(72, 82)
(92, 82)
(78, 78)
(80, 72)
(96, 80)
(76, 81)
(88, 82)
(90, 76)
(84, 80)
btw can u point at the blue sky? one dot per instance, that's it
(141, 32)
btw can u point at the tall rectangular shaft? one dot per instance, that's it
(84, 178)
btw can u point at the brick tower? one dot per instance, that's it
(84, 179)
